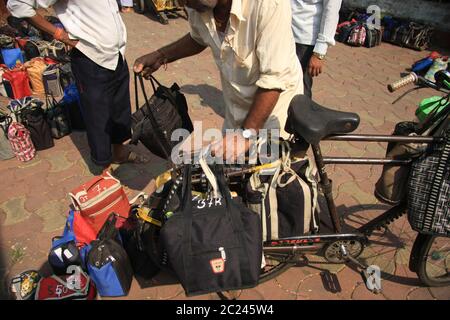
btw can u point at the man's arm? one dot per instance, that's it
(330, 19)
(262, 107)
(182, 48)
(26, 9)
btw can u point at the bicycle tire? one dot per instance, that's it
(423, 244)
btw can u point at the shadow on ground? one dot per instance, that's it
(210, 96)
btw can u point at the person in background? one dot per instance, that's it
(97, 34)
(254, 50)
(314, 25)
(127, 5)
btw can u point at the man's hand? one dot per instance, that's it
(67, 41)
(315, 66)
(232, 147)
(149, 63)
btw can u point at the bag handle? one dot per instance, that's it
(149, 115)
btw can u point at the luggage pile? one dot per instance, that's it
(353, 29)
(34, 69)
(29, 125)
(89, 257)
(108, 239)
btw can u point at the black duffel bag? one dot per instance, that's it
(154, 122)
(58, 118)
(213, 244)
(35, 120)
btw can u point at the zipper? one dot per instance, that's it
(112, 204)
(89, 203)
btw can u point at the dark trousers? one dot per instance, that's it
(304, 54)
(105, 104)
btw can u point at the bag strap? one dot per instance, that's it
(149, 115)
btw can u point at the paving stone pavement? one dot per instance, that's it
(33, 196)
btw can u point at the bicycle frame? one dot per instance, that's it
(322, 161)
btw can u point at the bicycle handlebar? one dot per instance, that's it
(441, 84)
(409, 79)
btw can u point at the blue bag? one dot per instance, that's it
(73, 104)
(12, 57)
(71, 248)
(107, 262)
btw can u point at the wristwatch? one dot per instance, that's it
(248, 133)
(319, 56)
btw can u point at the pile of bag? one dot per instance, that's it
(406, 33)
(354, 30)
(89, 257)
(29, 126)
(31, 64)
(205, 235)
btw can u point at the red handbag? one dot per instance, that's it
(19, 81)
(98, 198)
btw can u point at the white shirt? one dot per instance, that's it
(314, 22)
(258, 51)
(97, 25)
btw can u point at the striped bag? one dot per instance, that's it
(21, 143)
(429, 190)
(285, 196)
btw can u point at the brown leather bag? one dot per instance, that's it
(392, 186)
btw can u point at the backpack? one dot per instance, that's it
(285, 196)
(21, 143)
(357, 36)
(35, 69)
(17, 82)
(344, 31)
(373, 37)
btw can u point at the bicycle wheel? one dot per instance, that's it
(433, 263)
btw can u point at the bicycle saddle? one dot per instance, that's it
(314, 122)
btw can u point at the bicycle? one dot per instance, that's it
(314, 124)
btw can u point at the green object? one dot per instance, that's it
(429, 104)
